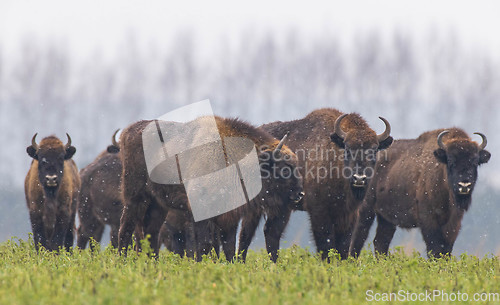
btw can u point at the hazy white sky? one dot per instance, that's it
(92, 24)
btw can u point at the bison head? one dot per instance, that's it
(50, 155)
(360, 145)
(462, 158)
(281, 175)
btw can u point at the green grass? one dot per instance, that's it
(299, 277)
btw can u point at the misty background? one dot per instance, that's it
(417, 82)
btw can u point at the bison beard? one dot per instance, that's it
(51, 186)
(426, 183)
(332, 201)
(146, 203)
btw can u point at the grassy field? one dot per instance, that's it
(299, 277)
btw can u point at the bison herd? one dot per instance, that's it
(329, 164)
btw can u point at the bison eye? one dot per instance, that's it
(44, 161)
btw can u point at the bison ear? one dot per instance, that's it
(337, 140)
(484, 156)
(32, 152)
(113, 149)
(70, 151)
(440, 154)
(385, 143)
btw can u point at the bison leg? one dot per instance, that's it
(90, 227)
(249, 225)
(114, 235)
(61, 230)
(362, 229)
(69, 238)
(88, 222)
(70, 233)
(155, 216)
(322, 228)
(97, 234)
(205, 238)
(82, 237)
(166, 236)
(38, 230)
(273, 230)
(190, 241)
(134, 209)
(173, 238)
(343, 240)
(385, 233)
(228, 241)
(436, 243)
(178, 243)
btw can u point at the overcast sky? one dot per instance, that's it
(94, 24)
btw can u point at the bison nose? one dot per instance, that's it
(359, 180)
(464, 188)
(299, 197)
(51, 180)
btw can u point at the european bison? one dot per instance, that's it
(99, 201)
(147, 203)
(425, 182)
(336, 154)
(51, 188)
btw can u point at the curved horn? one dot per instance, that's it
(387, 132)
(337, 129)
(485, 141)
(113, 138)
(440, 139)
(282, 142)
(68, 144)
(33, 142)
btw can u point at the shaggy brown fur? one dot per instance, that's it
(51, 187)
(331, 199)
(417, 185)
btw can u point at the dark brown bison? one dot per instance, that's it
(51, 188)
(425, 183)
(99, 201)
(147, 203)
(336, 154)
